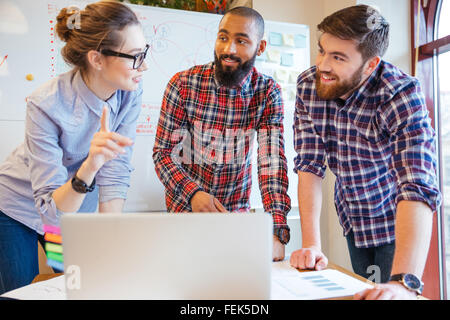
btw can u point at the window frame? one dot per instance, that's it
(425, 50)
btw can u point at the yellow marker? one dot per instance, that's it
(29, 77)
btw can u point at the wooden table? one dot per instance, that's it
(43, 277)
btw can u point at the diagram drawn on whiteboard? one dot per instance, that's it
(3, 65)
(170, 52)
(166, 44)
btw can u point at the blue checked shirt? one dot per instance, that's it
(380, 145)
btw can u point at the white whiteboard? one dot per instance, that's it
(179, 39)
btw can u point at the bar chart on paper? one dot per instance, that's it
(290, 284)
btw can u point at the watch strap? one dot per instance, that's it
(80, 186)
(400, 278)
(397, 277)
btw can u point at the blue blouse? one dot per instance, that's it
(61, 119)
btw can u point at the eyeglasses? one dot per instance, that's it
(138, 58)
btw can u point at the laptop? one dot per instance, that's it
(167, 256)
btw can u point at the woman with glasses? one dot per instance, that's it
(79, 133)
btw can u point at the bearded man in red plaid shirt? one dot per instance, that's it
(209, 117)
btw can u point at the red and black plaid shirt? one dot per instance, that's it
(204, 142)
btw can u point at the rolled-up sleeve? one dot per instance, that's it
(113, 178)
(44, 154)
(272, 164)
(311, 155)
(413, 143)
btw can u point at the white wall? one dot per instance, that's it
(312, 13)
(397, 13)
(293, 11)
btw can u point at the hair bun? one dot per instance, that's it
(98, 24)
(65, 22)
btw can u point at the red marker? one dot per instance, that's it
(3, 60)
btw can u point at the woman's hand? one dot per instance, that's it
(105, 145)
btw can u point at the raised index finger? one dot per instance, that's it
(104, 121)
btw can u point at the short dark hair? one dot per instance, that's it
(361, 23)
(249, 13)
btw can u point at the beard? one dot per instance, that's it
(228, 77)
(340, 88)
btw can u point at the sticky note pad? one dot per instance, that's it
(55, 264)
(56, 238)
(53, 247)
(273, 56)
(300, 41)
(287, 59)
(281, 75)
(55, 256)
(52, 229)
(275, 39)
(293, 75)
(288, 40)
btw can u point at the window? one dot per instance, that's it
(444, 21)
(430, 30)
(444, 132)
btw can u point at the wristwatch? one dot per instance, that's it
(409, 281)
(80, 186)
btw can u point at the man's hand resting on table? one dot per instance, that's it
(386, 291)
(204, 202)
(309, 258)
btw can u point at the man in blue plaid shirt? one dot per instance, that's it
(368, 122)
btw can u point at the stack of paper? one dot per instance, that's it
(53, 289)
(290, 284)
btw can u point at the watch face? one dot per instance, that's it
(79, 186)
(412, 281)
